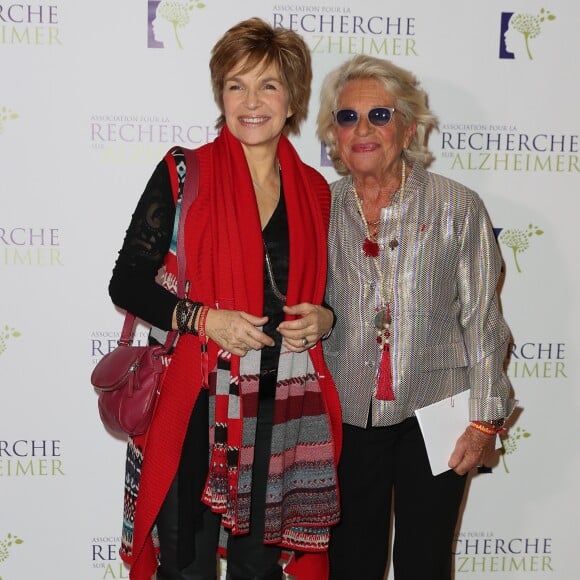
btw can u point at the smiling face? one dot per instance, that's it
(367, 150)
(256, 106)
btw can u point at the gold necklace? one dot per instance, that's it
(371, 247)
(264, 190)
(382, 315)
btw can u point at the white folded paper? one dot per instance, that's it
(442, 424)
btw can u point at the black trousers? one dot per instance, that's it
(379, 465)
(247, 556)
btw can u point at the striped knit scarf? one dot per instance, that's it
(301, 498)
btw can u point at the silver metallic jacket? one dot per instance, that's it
(448, 334)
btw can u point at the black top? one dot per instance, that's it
(133, 286)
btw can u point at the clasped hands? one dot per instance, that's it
(239, 332)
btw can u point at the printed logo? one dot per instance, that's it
(331, 29)
(482, 551)
(516, 31)
(30, 246)
(166, 19)
(29, 25)
(6, 546)
(510, 443)
(518, 241)
(107, 564)
(105, 341)
(537, 360)
(5, 335)
(31, 458)
(6, 115)
(128, 138)
(503, 147)
(105, 558)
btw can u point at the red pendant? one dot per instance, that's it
(385, 377)
(370, 248)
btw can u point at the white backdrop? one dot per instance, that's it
(93, 94)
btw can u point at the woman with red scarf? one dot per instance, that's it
(241, 453)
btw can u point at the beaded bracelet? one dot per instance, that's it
(204, 354)
(483, 428)
(201, 323)
(185, 314)
(182, 310)
(191, 318)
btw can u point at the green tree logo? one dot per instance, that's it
(5, 334)
(519, 240)
(178, 14)
(6, 115)
(530, 26)
(5, 546)
(510, 443)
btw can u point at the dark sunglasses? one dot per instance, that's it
(379, 116)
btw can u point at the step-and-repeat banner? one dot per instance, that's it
(92, 94)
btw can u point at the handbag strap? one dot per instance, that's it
(190, 191)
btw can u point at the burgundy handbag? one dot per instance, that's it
(128, 379)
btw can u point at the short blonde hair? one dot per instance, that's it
(410, 102)
(255, 43)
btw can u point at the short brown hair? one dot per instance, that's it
(254, 42)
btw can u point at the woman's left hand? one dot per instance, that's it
(304, 332)
(471, 450)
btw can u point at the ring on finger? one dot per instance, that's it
(304, 342)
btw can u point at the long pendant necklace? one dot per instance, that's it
(270, 271)
(382, 315)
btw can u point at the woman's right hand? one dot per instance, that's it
(237, 331)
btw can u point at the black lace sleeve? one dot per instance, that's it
(133, 286)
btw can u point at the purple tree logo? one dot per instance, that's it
(170, 17)
(527, 25)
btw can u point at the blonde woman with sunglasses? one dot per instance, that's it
(413, 271)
